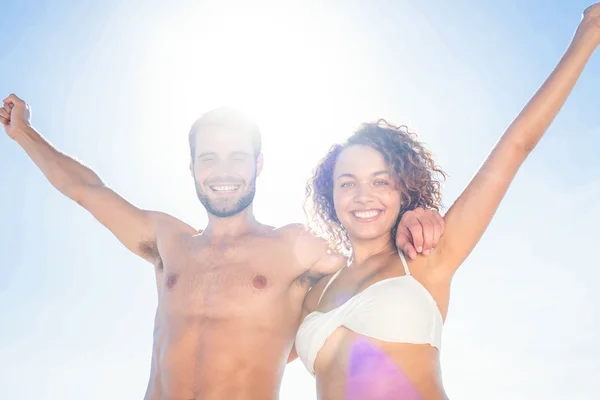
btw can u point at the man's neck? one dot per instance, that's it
(234, 226)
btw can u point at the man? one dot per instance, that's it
(230, 297)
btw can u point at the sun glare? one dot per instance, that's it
(276, 64)
(291, 69)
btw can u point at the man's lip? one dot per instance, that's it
(224, 187)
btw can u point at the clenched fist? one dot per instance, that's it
(590, 23)
(15, 116)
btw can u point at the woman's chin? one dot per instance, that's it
(369, 236)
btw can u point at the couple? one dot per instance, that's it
(235, 298)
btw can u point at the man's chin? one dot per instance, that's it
(223, 213)
(219, 204)
(220, 210)
(225, 206)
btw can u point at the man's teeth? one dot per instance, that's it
(365, 214)
(225, 188)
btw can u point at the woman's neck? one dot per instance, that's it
(362, 250)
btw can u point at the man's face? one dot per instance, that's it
(225, 170)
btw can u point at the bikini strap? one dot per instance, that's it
(404, 263)
(329, 283)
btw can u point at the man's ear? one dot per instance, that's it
(259, 164)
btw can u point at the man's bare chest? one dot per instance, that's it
(226, 278)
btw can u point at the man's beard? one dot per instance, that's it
(244, 201)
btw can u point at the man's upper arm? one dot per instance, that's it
(312, 253)
(308, 305)
(135, 228)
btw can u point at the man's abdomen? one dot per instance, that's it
(207, 359)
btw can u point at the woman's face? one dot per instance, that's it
(366, 198)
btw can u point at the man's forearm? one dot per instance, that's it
(63, 172)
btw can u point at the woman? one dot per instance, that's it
(373, 330)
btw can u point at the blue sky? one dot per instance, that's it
(117, 84)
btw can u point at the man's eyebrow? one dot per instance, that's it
(208, 153)
(240, 153)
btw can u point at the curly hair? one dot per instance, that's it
(411, 166)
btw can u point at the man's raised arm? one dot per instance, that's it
(135, 228)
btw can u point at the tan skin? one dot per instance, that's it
(362, 182)
(230, 297)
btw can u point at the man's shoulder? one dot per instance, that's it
(312, 252)
(166, 224)
(301, 235)
(292, 230)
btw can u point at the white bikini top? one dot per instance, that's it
(397, 309)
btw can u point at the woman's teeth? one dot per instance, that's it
(366, 214)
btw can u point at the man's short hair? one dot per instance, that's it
(227, 117)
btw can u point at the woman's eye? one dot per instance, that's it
(380, 183)
(346, 184)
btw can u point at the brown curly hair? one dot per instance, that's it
(412, 168)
